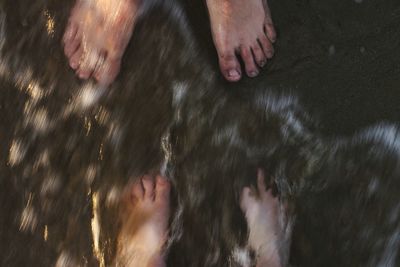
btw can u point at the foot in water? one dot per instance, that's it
(245, 28)
(145, 219)
(97, 35)
(261, 210)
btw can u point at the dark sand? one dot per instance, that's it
(341, 57)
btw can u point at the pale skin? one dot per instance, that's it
(99, 31)
(261, 210)
(147, 211)
(97, 35)
(245, 28)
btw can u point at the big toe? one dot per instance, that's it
(229, 65)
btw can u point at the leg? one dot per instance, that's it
(97, 34)
(144, 224)
(241, 27)
(261, 211)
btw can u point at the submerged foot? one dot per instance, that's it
(97, 35)
(241, 27)
(145, 224)
(261, 210)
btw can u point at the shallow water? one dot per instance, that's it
(68, 147)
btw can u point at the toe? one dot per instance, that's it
(259, 55)
(229, 66)
(83, 72)
(76, 58)
(70, 33)
(250, 66)
(261, 181)
(137, 190)
(163, 188)
(269, 25)
(266, 46)
(148, 185)
(270, 31)
(107, 72)
(88, 63)
(72, 46)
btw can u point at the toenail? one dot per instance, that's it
(74, 64)
(233, 74)
(162, 181)
(262, 63)
(253, 73)
(83, 75)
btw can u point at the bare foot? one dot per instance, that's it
(97, 35)
(261, 210)
(241, 27)
(145, 224)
